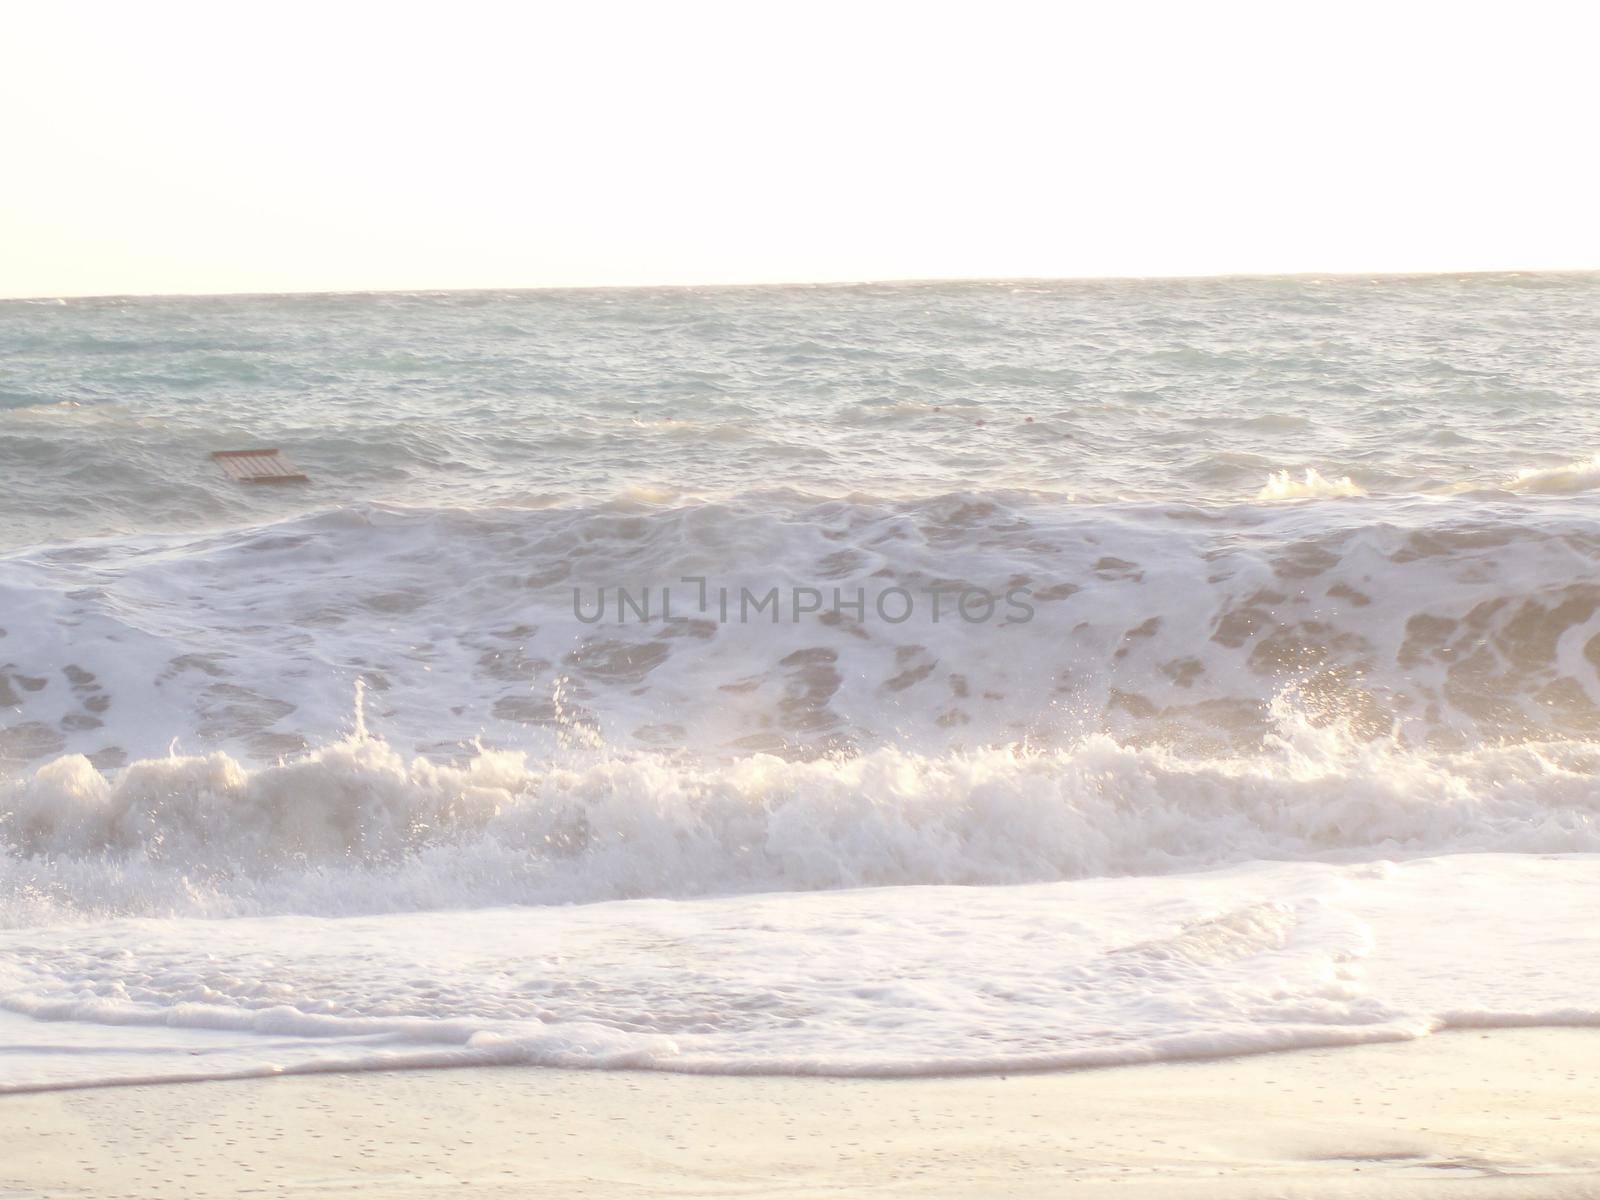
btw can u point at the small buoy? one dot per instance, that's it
(258, 466)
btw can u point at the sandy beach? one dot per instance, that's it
(1483, 1114)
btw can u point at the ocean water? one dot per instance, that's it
(837, 680)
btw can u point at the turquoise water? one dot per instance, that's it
(1189, 391)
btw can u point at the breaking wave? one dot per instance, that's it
(358, 827)
(1283, 486)
(1573, 477)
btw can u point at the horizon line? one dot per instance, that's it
(908, 281)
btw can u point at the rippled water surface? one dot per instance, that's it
(1191, 391)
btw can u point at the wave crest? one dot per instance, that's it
(356, 827)
(1563, 480)
(1281, 485)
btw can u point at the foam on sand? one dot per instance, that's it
(899, 981)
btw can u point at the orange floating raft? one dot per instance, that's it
(258, 466)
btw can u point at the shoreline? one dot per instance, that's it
(1490, 1113)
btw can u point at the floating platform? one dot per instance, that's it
(259, 466)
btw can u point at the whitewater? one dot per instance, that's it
(878, 680)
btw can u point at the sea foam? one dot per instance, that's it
(356, 827)
(1312, 486)
(888, 981)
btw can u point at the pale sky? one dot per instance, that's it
(241, 147)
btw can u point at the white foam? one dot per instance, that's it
(890, 981)
(1165, 623)
(357, 827)
(1313, 486)
(1573, 477)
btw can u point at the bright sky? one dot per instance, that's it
(223, 147)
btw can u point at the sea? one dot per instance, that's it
(880, 680)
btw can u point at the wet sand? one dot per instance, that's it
(1502, 1113)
